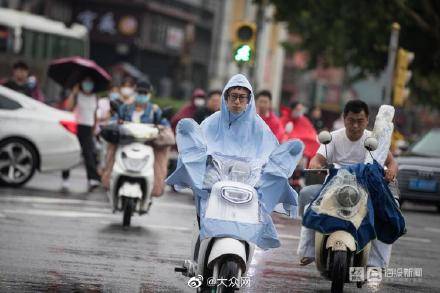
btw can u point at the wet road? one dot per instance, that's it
(52, 241)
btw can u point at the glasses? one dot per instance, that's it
(235, 97)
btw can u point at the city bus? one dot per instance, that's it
(37, 40)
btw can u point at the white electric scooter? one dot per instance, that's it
(336, 252)
(132, 176)
(233, 198)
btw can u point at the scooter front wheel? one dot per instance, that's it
(129, 205)
(228, 269)
(338, 270)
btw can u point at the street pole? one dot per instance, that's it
(260, 20)
(389, 71)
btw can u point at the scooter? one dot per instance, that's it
(336, 253)
(132, 176)
(232, 198)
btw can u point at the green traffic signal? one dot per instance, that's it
(243, 53)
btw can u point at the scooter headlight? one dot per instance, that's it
(236, 195)
(348, 196)
(132, 164)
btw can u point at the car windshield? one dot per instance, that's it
(428, 145)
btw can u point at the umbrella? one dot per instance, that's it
(69, 71)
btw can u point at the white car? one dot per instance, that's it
(34, 136)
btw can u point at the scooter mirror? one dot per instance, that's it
(371, 144)
(324, 137)
(288, 128)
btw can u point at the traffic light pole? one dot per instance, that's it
(392, 51)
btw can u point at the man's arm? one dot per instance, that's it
(392, 168)
(318, 162)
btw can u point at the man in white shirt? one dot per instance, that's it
(346, 148)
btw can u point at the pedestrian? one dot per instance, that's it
(315, 116)
(297, 125)
(19, 81)
(212, 105)
(35, 89)
(198, 100)
(84, 104)
(263, 102)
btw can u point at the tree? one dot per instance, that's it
(357, 33)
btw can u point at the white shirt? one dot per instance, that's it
(343, 151)
(103, 108)
(85, 109)
(136, 116)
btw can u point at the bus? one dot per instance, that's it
(37, 40)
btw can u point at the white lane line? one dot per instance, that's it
(58, 213)
(430, 229)
(291, 237)
(48, 200)
(415, 239)
(73, 214)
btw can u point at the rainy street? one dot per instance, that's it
(53, 241)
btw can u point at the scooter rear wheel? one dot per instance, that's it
(338, 271)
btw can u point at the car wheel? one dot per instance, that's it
(18, 161)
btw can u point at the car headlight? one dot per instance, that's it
(348, 196)
(236, 195)
(134, 165)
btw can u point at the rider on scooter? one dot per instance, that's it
(346, 148)
(143, 111)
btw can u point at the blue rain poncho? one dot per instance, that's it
(383, 220)
(243, 137)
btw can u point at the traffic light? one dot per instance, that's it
(402, 76)
(243, 42)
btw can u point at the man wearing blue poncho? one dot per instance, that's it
(237, 132)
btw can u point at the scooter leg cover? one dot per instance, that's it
(380, 254)
(306, 245)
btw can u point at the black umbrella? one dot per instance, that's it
(69, 71)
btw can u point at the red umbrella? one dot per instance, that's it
(69, 71)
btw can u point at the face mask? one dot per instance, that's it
(142, 99)
(296, 114)
(87, 86)
(114, 96)
(198, 102)
(127, 91)
(32, 82)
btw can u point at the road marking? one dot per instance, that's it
(416, 239)
(73, 214)
(58, 213)
(49, 200)
(435, 230)
(291, 237)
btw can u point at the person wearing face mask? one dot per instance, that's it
(143, 111)
(127, 91)
(297, 125)
(212, 105)
(198, 101)
(84, 104)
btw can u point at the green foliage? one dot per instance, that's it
(342, 33)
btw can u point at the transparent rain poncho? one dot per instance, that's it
(343, 197)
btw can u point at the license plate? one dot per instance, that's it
(423, 185)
